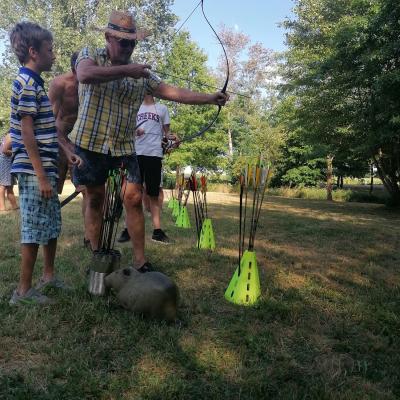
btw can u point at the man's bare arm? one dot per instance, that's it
(186, 96)
(56, 92)
(89, 72)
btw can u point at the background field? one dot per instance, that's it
(327, 326)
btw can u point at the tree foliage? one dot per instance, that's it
(342, 67)
(185, 66)
(78, 23)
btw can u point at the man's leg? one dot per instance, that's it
(135, 220)
(94, 213)
(92, 176)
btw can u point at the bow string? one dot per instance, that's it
(223, 90)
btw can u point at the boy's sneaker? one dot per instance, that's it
(32, 296)
(159, 236)
(55, 283)
(124, 237)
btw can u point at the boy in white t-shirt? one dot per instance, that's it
(153, 119)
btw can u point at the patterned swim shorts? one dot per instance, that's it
(40, 217)
(6, 178)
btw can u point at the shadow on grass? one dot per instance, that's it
(326, 327)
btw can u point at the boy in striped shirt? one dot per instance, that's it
(35, 153)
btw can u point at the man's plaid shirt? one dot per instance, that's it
(107, 111)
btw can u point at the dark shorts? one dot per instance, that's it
(96, 167)
(150, 170)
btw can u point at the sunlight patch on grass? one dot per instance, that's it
(153, 369)
(192, 279)
(290, 280)
(19, 357)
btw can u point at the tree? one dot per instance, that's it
(77, 23)
(342, 68)
(252, 73)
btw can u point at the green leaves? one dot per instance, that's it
(342, 69)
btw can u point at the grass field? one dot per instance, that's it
(327, 326)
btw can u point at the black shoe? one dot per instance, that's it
(124, 237)
(146, 267)
(160, 237)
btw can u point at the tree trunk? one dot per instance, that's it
(341, 182)
(329, 173)
(371, 184)
(230, 144)
(389, 180)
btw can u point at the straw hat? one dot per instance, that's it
(122, 25)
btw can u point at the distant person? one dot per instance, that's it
(35, 151)
(154, 122)
(63, 95)
(146, 197)
(6, 179)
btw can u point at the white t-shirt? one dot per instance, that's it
(155, 115)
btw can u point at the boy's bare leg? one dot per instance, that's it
(11, 197)
(49, 255)
(94, 213)
(135, 221)
(29, 255)
(2, 198)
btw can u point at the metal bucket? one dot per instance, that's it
(102, 264)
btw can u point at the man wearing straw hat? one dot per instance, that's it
(111, 90)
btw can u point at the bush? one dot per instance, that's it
(338, 194)
(302, 176)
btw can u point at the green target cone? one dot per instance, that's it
(207, 240)
(183, 218)
(244, 289)
(175, 209)
(171, 202)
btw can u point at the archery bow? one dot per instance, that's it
(223, 90)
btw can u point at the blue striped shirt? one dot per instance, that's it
(28, 97)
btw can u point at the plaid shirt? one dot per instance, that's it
(107, 111)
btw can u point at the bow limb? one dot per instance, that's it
(223, 90)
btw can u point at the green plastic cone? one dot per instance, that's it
(183, 218)
(171, 202)
(244, 289)
(207, 240)
(176, 208)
